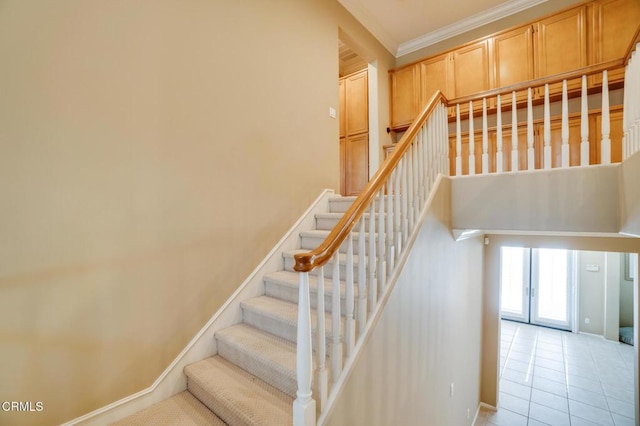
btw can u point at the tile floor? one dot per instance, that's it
(552, 377)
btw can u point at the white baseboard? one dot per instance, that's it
(480, 407)
(173, 381)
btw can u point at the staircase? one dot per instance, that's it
(252, 379)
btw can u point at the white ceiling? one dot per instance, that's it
(404, 26)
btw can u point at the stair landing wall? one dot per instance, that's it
(428, 337)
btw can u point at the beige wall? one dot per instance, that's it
(559, 200)
(531, 14)
(428, 336)
(630, 195)
(591, 292)
(152, 154)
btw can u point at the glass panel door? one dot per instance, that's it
(514, 283)
(551, 287)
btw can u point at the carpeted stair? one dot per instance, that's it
(252, 379)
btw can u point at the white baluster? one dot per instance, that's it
(421, 166)
(605, 144)
(410, 200)
(373, 282)
(304, 406)
(397, 211)
(362, 278)
(625, 111)
(416, 182)
(530, 152)
(336, 346)
(499, 165)
(547, 129)
(472, 142)
(458, 143)
(485, 138)
(391, 251)
(514, 134)
(382, 265)
(350, 325)
(584, 125)
(323, 378)
(565, 125)
(405, 201)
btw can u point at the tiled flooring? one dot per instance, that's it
(551, 377)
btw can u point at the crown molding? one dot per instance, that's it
(490, 15)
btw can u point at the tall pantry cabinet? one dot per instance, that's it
(354, 132)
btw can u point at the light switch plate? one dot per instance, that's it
(332, 112)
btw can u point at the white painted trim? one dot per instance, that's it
(480, 407)
(374, 127)
(485, 17)
(172, 380)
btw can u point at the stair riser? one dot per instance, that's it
(280, 328)
(284, 382)
(327, 224)
(342, 205)
(220, 408)
(290, 294)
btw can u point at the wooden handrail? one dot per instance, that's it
(557, 78)
(308, 261)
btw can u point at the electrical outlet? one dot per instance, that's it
(587, 320)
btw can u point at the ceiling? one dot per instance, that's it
(404, 26)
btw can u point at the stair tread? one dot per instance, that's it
(278, 353)
(236, 395)
(181, 409)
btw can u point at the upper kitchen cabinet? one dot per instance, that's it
(405, 87)
(513, 59)
(471, 70)
(613, 24)
(435, 74)
(561, 45)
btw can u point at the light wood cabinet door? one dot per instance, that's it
(357, 103)
(342, 108)
(613, 24)
(435, 74)
(561, 46)
(357, 163)
(513, 59)
(405, 84)
(471, 71)
(343, 158)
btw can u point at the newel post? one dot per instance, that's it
(304, 407)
